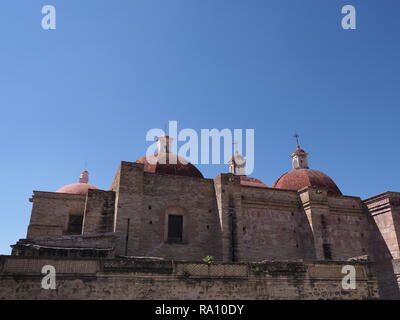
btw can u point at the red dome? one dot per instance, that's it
(251, 182)
(162, 164)
(76, 188)
(300, 178)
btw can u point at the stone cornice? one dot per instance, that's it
(57, 195)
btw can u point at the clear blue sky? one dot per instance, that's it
(112, 70)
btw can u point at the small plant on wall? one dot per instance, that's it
(257, 269)
(208, 259)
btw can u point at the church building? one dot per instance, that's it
(160, 209)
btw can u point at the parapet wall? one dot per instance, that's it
(122, 278)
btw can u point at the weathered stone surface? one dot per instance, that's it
(123, 278)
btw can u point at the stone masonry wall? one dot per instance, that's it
(384, 216)
(347, 227)
(192, 198)
(99, 212)
(272, 222)
(339, 224)
(279, 226)
(51, 211)
(20, 278)
(144, 201)
(268, 223)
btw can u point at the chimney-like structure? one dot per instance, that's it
(164, 144)
(299, 159)
(237, 165)
(84, 177)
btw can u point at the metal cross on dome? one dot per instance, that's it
(297, 136)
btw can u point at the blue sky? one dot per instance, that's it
(91, 89)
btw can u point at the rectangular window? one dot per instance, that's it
(327, 251)
(175, 228)
(75, 224)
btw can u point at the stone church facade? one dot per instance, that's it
(160, 214)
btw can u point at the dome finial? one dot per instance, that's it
(299, 159)
(237, 164)
(84, 177)
(164, 143)
(299, 156)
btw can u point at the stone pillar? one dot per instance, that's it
(384, 211)
(128, 185)
(99, 212)
(229, 202)
(315, 204)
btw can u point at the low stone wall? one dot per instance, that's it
(68, 246)
(20, 278)
(396, 270)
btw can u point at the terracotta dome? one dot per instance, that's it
(169, 163)
(76, 188)
(251, 182)
(237, 166)
(300, 178)
(82, 187)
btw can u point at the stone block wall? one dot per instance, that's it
(20, 278)
(99, 212)
(192, 198)
(384, 215)
(339, 224)
(51, 211)
(347, 227)
(386, 218)
(281, 224)
(144, 201)
(274, 225)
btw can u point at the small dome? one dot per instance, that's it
(300, 178)
(76, 188)
(82, 187)
(168, 163)
(251, 182)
